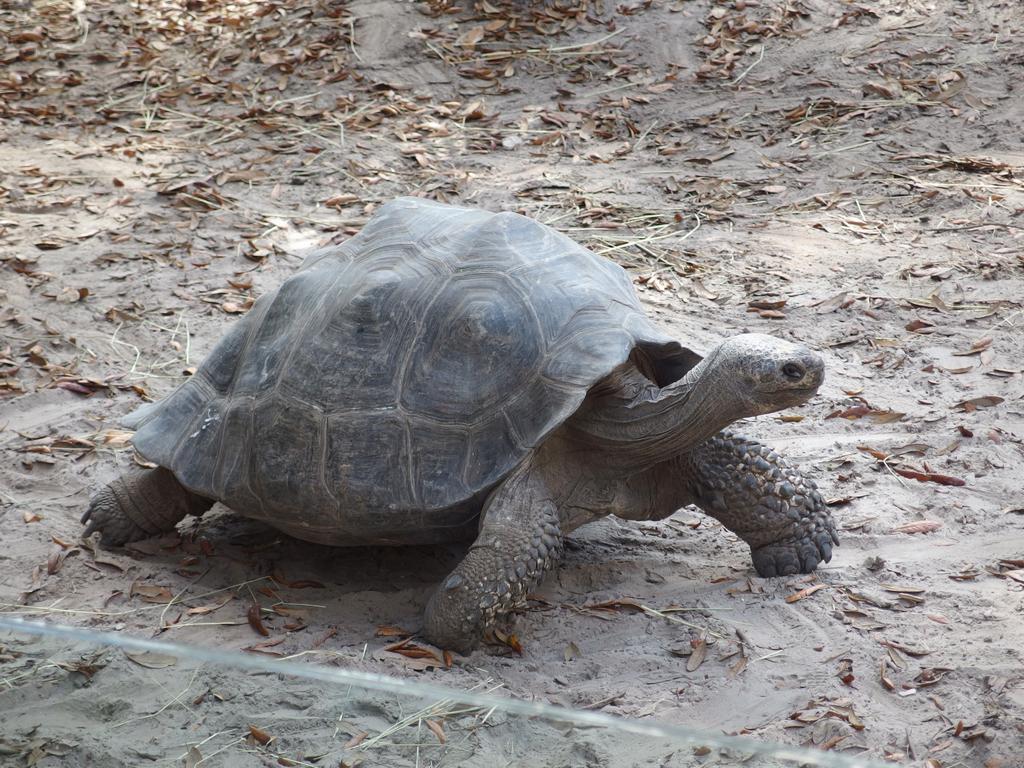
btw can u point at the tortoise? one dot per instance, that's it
(451, 373)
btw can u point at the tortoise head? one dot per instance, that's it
(766, 373)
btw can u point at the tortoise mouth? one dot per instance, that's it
(789, 397)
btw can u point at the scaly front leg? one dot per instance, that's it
(754, 493)
(520, 539)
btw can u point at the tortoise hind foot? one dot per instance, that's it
(106, 517)
(138, 505)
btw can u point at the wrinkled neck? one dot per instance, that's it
(636, 423)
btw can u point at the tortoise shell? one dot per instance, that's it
(387, 386)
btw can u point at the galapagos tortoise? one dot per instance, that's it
(452, 373)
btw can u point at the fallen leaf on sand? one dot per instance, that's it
(622, 604)
(411, 656)
(151, 659)
(861, 411)
(279, 579)
(259, 735)
(884, 677)
(806, 592)
(976, 348)
(918, 526)
(928, 477)
(437, 730)
(255, 621)
(766, 304)
(700, 649)
(202, 610)
(413, 651)
(356, 740)
(510, 640)
(387, 631)
(151, 593)
(979, 402)
(56, 559)
(903, 588)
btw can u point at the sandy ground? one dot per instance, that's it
(845, 174)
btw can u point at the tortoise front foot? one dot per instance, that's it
(138, 505)
(519, 541)
(460, 612)
(772, 506)
(789, 558)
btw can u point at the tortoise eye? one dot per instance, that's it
(793, 371)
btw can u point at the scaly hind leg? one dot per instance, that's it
(520, 539)
(140, 504)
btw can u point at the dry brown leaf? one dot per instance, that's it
(116, 438)
(260, 736)
(805, 592)
(903, 589)
(152, 659)
(884, 677)
(437, 730)
(256, 621)
(838, 301)
(766, 304)
(56, 559)
(151, 593)
(860, 411)
(700, 649)
(242, 283)
(975, 403)
(340, 201)
(412, 651)
(356, 740)
(305, 584)
(237, 307)
(387, 631)
(622, 604)
(928, 477)
(510, 640)
(202, 610)
(918, 526)
(471, 37)
(977, 347)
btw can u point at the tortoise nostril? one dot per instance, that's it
(793, 371)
